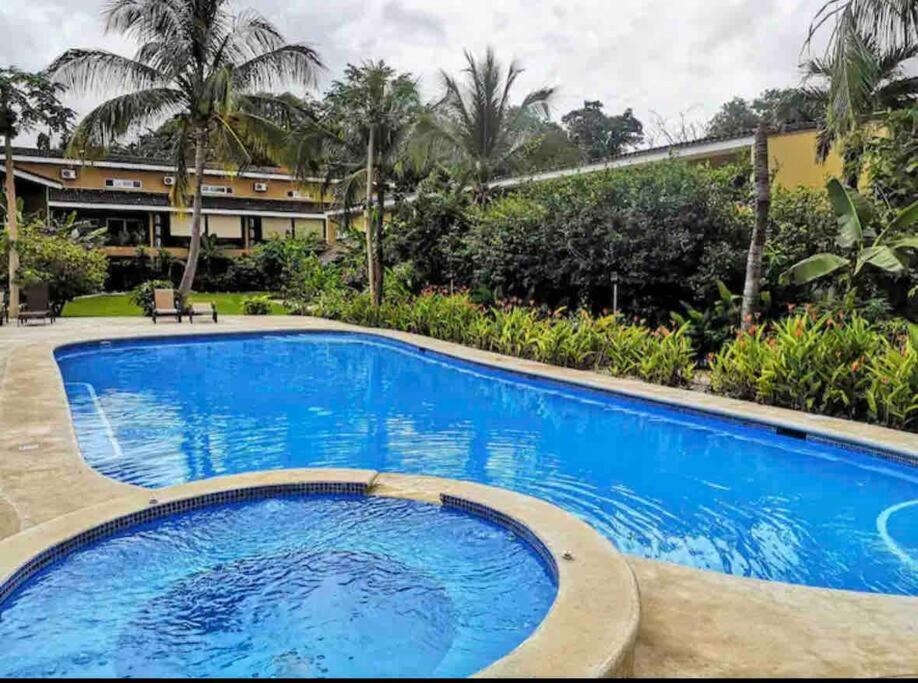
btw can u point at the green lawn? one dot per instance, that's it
(119, 305)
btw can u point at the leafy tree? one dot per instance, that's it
(202, 68)
(667, 231)
(599, 135)
(777, 108)
(429, 232)
(362, 134)
(888, 250)
(474, 123)
(892, 158)
(547, 146)
(28, 102)
(61, 254)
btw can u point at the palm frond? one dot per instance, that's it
(287, 63)
(113, 119)
(90, 70)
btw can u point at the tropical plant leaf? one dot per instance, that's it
(850, 230)
(879, 256)
(812, 268)
(906, 218)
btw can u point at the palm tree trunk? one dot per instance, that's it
(378, 242)
(12, 229)
(368, 223)
(194, 249)
(751, 290)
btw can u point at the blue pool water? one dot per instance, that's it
(663, 484)
(282, 587)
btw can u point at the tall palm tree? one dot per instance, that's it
(475, 123)
(361, 136)
(199, 66)
(753, 283)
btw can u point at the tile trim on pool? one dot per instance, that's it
(158, 511)
(504, 520)
(589, 631)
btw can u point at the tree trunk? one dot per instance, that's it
(751, 290)
(368, 222)
(378, 242)
(194, 249)
(12, 229)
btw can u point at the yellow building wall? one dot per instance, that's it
(93, 178)
(792, 159)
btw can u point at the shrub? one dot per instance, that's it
(259, 304)
(824, 364)
(667, 231)
(142, 295)
(59, 255)
(668, 358)
(578, 341)
(306, 278)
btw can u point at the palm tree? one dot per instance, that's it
(866, 36)
(27, 101)
(874, 80)
(476, 124)
(361, 135)
(753, 283)
(202, 68)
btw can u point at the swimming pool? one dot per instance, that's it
(661, 483)
(283, 586)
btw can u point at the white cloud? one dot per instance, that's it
(651, 55)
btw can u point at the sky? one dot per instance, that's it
(669, 61)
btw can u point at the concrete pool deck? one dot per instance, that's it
(693, 623)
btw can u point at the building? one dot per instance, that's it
(792, 160)
(129, 196)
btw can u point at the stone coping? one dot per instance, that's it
(589, 631)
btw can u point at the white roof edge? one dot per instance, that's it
(25, 175)
(58, 161)
(683, 151)
(649, 156)
(174, 209)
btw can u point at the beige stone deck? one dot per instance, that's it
(693, 623)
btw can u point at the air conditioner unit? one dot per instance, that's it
(68, 174)
(168, 180)
(261, 187)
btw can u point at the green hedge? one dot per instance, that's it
(826, 364)
(580, 341)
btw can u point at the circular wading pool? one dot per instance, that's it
(290, 585)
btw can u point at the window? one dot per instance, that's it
(123, 183)
(127, 232)
(216, 189)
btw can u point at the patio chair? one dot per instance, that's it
(208, 308)
(37, 305)
(164, 305)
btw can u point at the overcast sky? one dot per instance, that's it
(656, 56)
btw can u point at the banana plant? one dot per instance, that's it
(888, 251)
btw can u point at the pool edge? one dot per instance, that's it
(590, 629)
